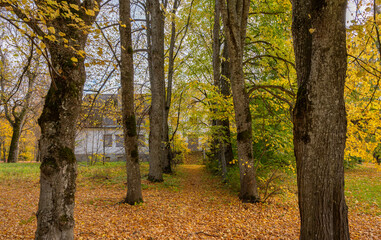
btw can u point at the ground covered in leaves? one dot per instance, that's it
(191, 204)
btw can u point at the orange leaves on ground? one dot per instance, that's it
(199, 207)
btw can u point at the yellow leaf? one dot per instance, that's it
(52, 30)
(312, 30)
(62, 34)
(74, 6)
(42, 45)
(90, 12)
(74, 59)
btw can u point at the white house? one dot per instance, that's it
(100, 136)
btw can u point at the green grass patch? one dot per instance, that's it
(363, 189)
(19, 171)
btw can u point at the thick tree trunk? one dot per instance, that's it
(320, 118)
(14, 147)
(55, 218)
(156, 146)
(58, 122)
(134, 189)
(235, 14)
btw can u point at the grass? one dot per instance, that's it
(109, 173)
(363, 189)
(19, 171)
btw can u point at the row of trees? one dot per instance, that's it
(232, 61)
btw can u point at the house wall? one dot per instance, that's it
(90, 143)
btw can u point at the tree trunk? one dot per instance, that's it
(58, 122)
(14, 147)
(55, 218)
(4, 152)
(320, 118)
(156, 146)
(226, 92)
(134, 189)
(216, 60)
(167, 158)
(235, 14)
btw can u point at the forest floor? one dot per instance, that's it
(190, 204)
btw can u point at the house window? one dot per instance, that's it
(107, 140)
(119, 141)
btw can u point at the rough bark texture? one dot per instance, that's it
(156, 146)
(320, 118)
(58, 120)
(235, 14)
(134, 189)
(55, 218)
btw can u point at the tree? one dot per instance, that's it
(134, 189)
(63, 28)
(319, 117)
(157, 79)
(174, 49)
(17, 109)
(221, 146)
(235, 15)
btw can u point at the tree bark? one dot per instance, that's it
(235, 14)
(156, 146)
(134, 189)
(319, 117)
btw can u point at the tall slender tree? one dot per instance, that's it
(235, 14)
(157, 79)
(221, 146)
(134, 189)
(319, 117)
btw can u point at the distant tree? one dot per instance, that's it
(16, 96)
(221, 145)
(320, 123)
